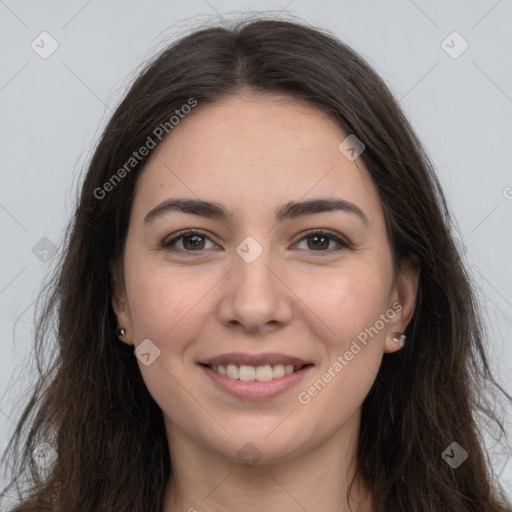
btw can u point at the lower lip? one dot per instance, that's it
(256, 389)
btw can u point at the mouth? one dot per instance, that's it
(255, 376)
(261, 373)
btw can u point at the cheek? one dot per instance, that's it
(352, 344)
(162, 302)
(162, 310)
(351, 300)
(150, 305)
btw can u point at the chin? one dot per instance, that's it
(262, 447)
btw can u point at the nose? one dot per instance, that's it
(255, 296)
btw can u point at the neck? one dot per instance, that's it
(316, 480)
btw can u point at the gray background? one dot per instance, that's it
(53, 110)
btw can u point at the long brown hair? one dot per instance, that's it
(91, 404)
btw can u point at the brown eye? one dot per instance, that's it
(319, 241)
(195, 241)
(191, 241)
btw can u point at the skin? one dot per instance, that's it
(252, 154)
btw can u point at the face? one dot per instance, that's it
(267, 323)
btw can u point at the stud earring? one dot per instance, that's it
(120, 331)
(399, 338)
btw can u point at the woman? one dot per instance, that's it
(260, 306)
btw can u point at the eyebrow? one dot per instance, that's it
(291, 210)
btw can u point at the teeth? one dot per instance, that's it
(264, 373)
(277, 370)
(249, 373)
(232, 371)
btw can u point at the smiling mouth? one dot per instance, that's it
(261, 373)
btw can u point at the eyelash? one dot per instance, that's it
(169, 244)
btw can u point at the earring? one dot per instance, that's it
(399, 338)
(120, 331)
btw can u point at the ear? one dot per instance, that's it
(120, 303)
(403, 300)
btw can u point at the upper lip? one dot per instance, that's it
(254, 359)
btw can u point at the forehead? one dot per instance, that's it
(255, 150)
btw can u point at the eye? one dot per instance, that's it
(321, 238)
(194, 241)
(191, 240)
